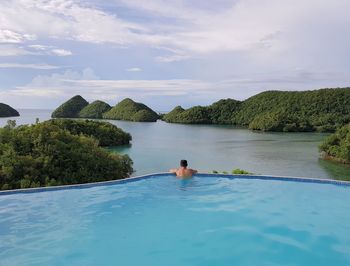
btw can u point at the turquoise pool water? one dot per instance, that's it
(161, 220)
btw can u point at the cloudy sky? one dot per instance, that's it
(169, 52)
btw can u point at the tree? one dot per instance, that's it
(46, 154)
(337, 146)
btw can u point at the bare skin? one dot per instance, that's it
(183, 172)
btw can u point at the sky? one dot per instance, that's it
(166, 53)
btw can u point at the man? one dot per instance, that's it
(183, 171)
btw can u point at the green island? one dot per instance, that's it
(60, 152)
(127, 109)
(94, 110)
(336, 147)
(7, 111)
(71, 108)
(322, 110)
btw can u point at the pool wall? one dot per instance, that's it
(137, 178)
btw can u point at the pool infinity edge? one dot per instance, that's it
(141, 177)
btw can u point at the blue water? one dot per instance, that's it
(166, 221)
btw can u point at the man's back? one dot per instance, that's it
(183, 171)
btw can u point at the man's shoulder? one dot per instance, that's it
(191, 170)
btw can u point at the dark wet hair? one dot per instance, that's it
(183, 163)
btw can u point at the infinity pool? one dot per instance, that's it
(160, 220)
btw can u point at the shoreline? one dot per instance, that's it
(325, 156)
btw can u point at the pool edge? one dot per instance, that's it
(141, 177)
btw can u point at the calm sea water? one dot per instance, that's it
(159, 146)
(203, 221)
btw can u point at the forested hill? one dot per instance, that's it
(317, 110)
(70, 108)
(94, 110)
(7, 111)
(127, 109)
(220, 112)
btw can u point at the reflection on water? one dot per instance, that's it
(157, 147)
(336, 170)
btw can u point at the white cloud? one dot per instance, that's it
(8, 36)
(67, 20)
(61, 52)
(35, 49)
(70, 82)
(87, 83)
(40, 47)
(29, 66)
(171, 58)
(11, 50)
(230, 41)
(49, 50)
(267, 25)
(134, 69)
(53, 89)
(271, 26)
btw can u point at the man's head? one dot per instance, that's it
(183, 163)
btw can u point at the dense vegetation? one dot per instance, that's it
(7, 111)
(94, 110)
(222, 111)
(319, 110)
(218, 113)
(45, 154)
(106, 133)
(71, 108)
(127, 109)
(337, 146)
(194, 115)
(236, 171)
